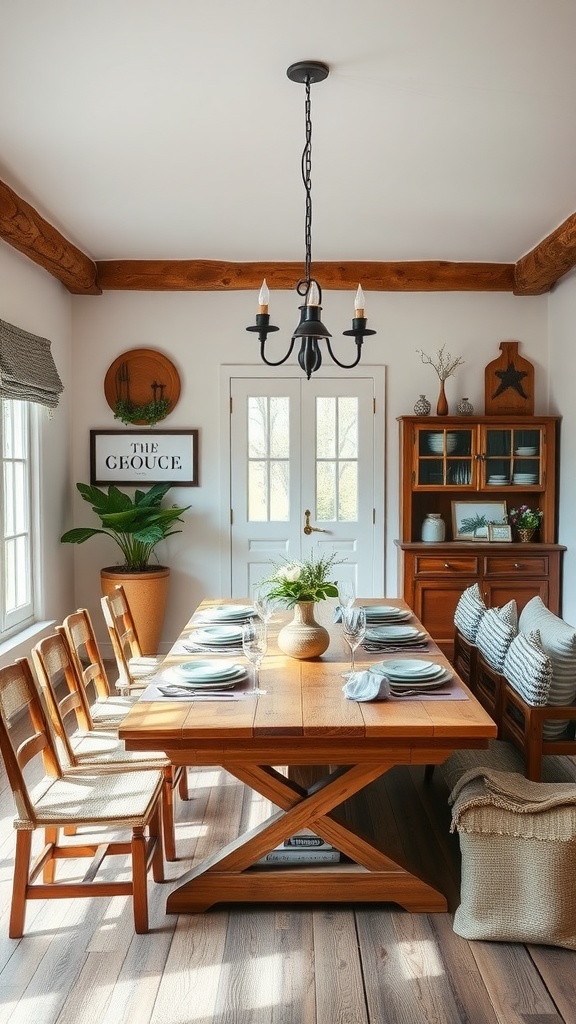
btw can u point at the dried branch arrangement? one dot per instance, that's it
(444, 364)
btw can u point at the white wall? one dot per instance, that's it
(202, 331)
(33, 300)
(562, 334)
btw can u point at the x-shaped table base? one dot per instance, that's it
(372, 876)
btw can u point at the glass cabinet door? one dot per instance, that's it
(445, 458)
(512, 457)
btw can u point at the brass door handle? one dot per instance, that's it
(311, 529)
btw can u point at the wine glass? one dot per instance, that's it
(353, 629)
(263, 603)
(255, 645)
(346, 593)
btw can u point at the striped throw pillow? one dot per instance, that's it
(558, 641)
(495, 633)
(469, 611)
(528, 669)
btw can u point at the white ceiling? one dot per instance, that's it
(168, 128)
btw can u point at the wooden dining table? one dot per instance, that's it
(304, 719)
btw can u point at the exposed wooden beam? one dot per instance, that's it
(218, 275)
(553, 257)
(23, 228)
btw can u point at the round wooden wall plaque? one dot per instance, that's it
(140, 376)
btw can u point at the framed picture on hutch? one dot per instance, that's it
(471, 519)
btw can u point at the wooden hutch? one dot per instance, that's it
(479, 459)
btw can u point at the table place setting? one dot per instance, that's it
(225, 614)
(394, 638)
(403, 679)
(201, 680)
(211, 640)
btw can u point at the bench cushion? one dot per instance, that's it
(528, 668)
(496, 631)
(469, 611)
(558, 641)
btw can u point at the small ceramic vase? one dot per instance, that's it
(465, 407)
(433, 528)
(422, 406)
(303, 637)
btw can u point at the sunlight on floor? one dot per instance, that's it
(420, 959)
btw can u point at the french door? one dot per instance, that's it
(303, 479)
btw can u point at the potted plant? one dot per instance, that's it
(299, 585)
(136, 524)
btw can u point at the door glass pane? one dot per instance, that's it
(337, 459)
(268, 458)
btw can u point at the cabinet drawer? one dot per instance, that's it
(519, 565)
(437, 565)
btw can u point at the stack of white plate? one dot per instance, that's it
(526, 452)
(380, 614)
(232, 613)
(217, 636)
(436, 443)
(413, 673)
(525, 478)
(395, 636)
(498, 479)
(213, 675)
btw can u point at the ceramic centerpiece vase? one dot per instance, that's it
(303, 637)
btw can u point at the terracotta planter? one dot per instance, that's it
(303, 637)
(147, 595)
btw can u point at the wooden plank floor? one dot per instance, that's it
(80, 961)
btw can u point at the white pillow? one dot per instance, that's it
(469, 612)
(495, 633)
(558, 641)
(528, 669)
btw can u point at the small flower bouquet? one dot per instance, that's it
(525, 518)
(302, 581)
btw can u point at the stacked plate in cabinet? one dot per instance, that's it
(527, 451)
(525, 479)
(436, 443)
(498, 480)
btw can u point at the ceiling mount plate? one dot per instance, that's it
(315, 70)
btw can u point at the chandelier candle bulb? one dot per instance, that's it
(313, 296)
(263, 298)
(359, 303)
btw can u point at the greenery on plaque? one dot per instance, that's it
(151, 413)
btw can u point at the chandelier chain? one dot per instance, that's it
(307, 179)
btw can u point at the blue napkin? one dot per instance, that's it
(366, 685)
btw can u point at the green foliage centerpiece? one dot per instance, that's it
(299, 585)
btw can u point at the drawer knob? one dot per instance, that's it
(447, 565)
(517, 565)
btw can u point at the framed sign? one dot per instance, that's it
(471, 519)
(499, 531)
(144, 457)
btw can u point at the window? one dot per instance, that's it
(16, 595)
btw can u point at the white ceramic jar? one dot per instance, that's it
(433, 528)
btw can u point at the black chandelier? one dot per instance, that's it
(310, 330)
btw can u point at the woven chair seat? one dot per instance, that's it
(109, 712)
(123, 799)
(102, 746)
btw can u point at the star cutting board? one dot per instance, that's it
(509, 383)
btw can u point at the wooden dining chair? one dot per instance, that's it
(134, 668)
(83, 747)
(105, 709)
(122, 801)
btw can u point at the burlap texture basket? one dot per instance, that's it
(518, 845)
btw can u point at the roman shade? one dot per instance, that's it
(27, 370)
